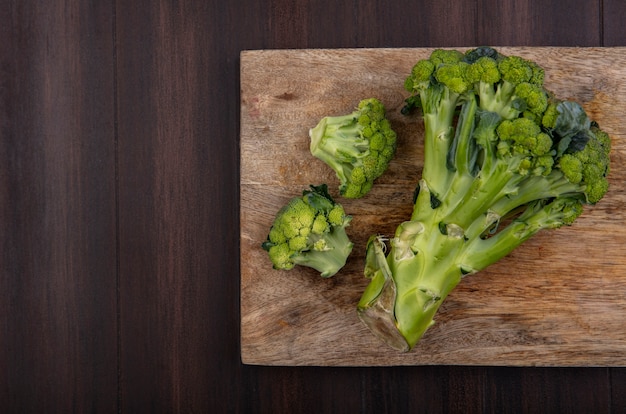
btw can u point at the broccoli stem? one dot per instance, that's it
(495, 180)
(329, 259)
(462, 155)
(498, 99)
(407, 290)
(537, 188)
(438, 114)
(480, 252)
(480, 196)
(467, 195)
(462, 159)
(441, 243)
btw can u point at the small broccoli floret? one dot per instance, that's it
(503, 160)
(357, 146)
(452, 75)
(538, 75)
(420, 76)
(534, 96)
(310, 231)
(589, 165)
(485, 70)
(507, 85)
(550, 115)
(515, 69)
(445, 56)
(525, 144)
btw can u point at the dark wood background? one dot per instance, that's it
(119, 222)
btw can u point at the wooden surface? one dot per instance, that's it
(559, 300)
(119, 206)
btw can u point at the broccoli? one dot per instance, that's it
(357, 146)
(504, 159)
(310, 231)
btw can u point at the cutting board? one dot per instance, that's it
(558, 300)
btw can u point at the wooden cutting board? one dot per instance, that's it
(558, 300)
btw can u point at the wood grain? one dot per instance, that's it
(613, 16)
(527, 23)
(556, 301)
(58, 316)
(172, 210)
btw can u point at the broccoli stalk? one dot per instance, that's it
(310, 231)
(357, 146)
(504, 159)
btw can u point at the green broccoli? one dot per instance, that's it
(504, 159)
(357, 146)
(310, 231)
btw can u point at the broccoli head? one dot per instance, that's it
(503, 159)
(310, 231)
(357, 146)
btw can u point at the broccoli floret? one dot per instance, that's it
(507, 85)
(504, 159)
(357, 146)
(310, 231)
(550, 115)
(484, 70)
(445, 56)
(582, 148)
